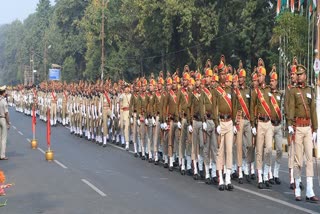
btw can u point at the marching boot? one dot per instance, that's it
(310, 196)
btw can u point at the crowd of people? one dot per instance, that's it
(213, 125)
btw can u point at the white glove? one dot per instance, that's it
(138, 122)
(146, 121)
(235, 131)
(254, 131)
(190, 129)
(113, 116)
(204, 126)
(165, 126)
(290, 130)
(179, 125)
(219, 129)
(119, 115)
(131, 120)
(162, 126)
(153, 121)
(314, 136)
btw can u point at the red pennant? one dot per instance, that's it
(48, 128)
(34, 120)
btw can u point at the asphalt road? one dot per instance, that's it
(86, 178)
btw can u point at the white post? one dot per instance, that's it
(318, 115)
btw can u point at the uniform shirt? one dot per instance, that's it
(170, 106)
(286, 100)
(278, 96)
(3, 106)
(236, 106)
(209, 103)
(142, 104)
(221, 103)
(256, 107)
(296, 106)
(183, 102)
(151, 100)
(196, 105)
(133, 103)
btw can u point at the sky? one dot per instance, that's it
(11, 10)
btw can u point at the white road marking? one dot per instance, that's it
(119, 148)
(60, 164)
(14, 127)
(41, 150)
(279, 201)
(94, 187)
(28, 140)
(20, 133)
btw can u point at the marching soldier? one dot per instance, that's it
(134, 117)
(293, 77)
(302, 114)
(224, 129)
(53, 106)
(183, 102)
(260, 100)
(276, 118)
(241, 114)
(104, 106)
(197, 125)
(157, 107)
(210, 140)
(151, 118)
(125, 98)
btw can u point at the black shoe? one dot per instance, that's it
(221, 187)
(215, 180)
(240, 181)
(150, 160)
(175, 164)
(312, 199)
(253, 177)
(271, 181)
(301, 186)
(248, 178)
(201, 174)
(229, 187)
(104, 145)
(170, 168)
(156, 162)
(140, 154)
(100, 144)
(165, 165)
(183, 172)
(260, 185)
(208, 181)
(277, 181)
(292, 186)
(114, 142)
(136, 155)
(196, 177)
(123, 145)
(267, 184)
(189, 172)
(298, 198)
(131, 142)
(143, 158)
(234, 175)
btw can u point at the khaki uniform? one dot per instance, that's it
(125, 117)
(142, 105)
(53, 108)
(276, 133)
(197, 117)
(150, 126)
(302, 114)
(264, 130)
(3, 126)
(157, 112)
(171, 115)
(210, 139)
(290, 146)
(184, 115)
(65, 97)
(224, 120)
(134, 118)
(243, 140)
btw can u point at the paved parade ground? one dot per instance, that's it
(87, 178)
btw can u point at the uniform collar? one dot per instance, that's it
(263, 85)
(302, 85)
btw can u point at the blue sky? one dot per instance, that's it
(11, 10)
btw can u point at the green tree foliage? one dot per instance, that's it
(144, 36)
